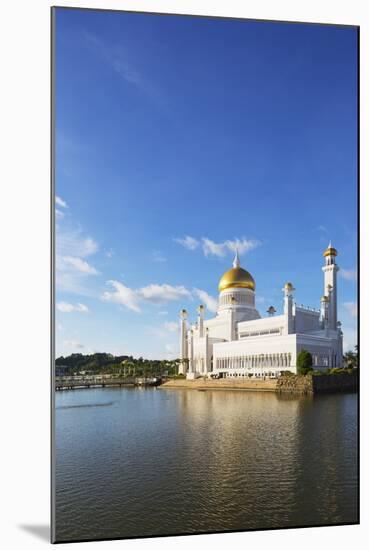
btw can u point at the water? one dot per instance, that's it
(140, 462)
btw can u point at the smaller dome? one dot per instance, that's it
(324, 299)
(289, 286)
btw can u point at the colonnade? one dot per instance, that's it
(254, 361)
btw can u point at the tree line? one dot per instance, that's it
(120, 365)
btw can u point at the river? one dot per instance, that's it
(140, 462)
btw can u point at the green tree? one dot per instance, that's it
(304, 362)
(350, 359)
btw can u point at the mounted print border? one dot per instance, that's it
(205, 182)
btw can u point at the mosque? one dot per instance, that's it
(237, 342)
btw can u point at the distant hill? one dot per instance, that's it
(122, 364)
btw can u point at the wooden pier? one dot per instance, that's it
(72, 383)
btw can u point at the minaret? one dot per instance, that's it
(183, 342)
(330, 270)
(288, 307)
(200, 320)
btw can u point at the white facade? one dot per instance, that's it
(237, 342)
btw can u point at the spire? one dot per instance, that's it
(330, 244)
(236, 261)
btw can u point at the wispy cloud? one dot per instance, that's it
(77, 264)
(188, 242)
(60, 202)
(219, 249)
(351, 308)
(66, 307)
(114, 56)
(72, 268)
(323, 229)
(59, 214)
(348, 274)
(119, 59)
(74, 243)
(74, 344)
(171, 326)
(158, 256)
(210, 302)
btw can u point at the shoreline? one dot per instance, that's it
(296, 384)
(221, 385)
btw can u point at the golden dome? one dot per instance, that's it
(236, 278)
(324, 299)
(289, 286)
(330, 251)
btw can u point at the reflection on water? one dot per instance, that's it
(177, 461)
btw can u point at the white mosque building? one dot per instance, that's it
(237, 342)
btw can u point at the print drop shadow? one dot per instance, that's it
(40, 531)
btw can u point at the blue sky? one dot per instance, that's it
(178, 138)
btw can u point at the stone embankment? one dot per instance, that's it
(324, 383)
(303, 385)
(222, 384)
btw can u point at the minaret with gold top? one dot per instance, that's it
(330, 270)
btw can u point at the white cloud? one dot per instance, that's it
(78, 264)
(66, 307)
(73, 243)
(73, 344)
(211, 248)
(188, 242)
(60, 202)
(72, 247)
(154, 293)
(210, 302)
(158, 294)
(109, 253)
(348, 274)
(242, 245)
(351, 307)
(219, 249)
(122, 295)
